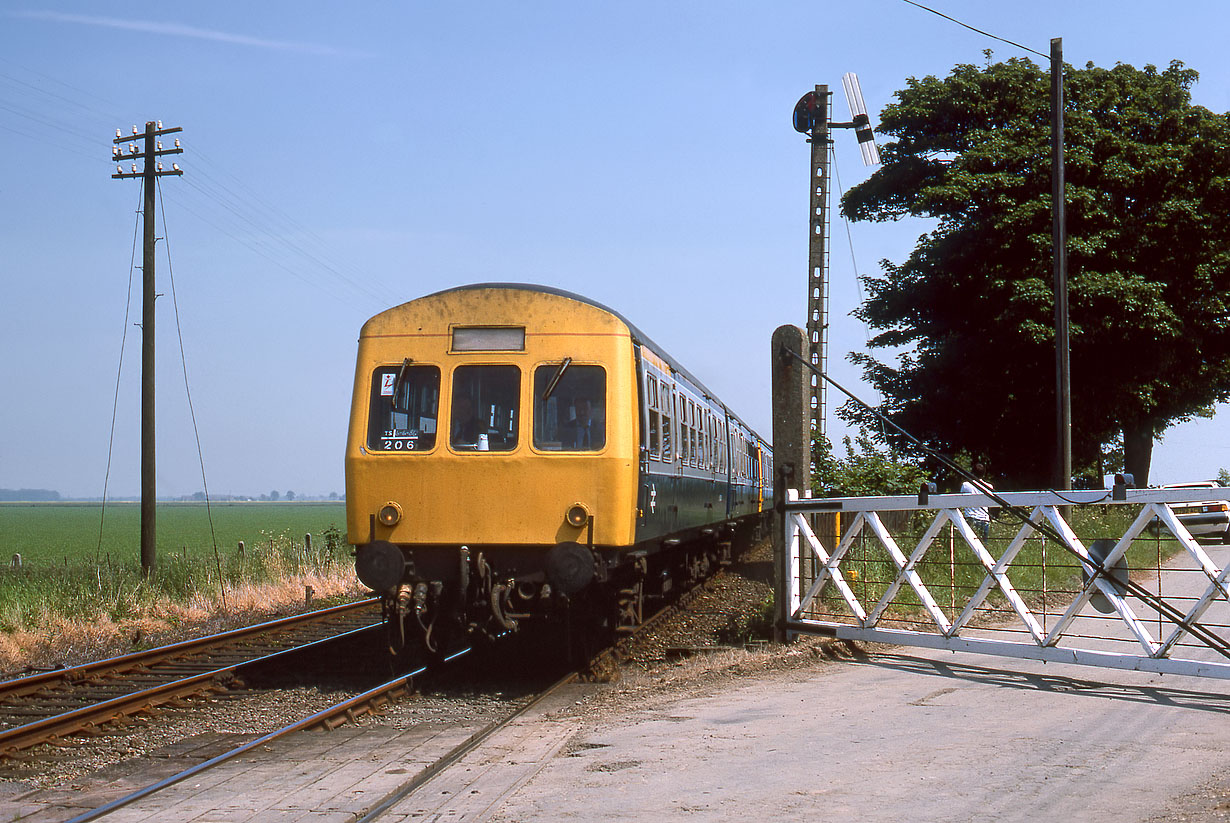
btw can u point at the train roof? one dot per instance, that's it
(637, 335)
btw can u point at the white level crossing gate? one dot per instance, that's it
(1126, 587)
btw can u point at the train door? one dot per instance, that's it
(656, 494)
(757, 473)
(649, 434)
(729, 464)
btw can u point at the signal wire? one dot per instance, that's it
(858, 283)
(1154, 601)
(119, 370)
(166, 239)
(979, 31)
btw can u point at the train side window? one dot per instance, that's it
(485, 408)
(667, 408)
(405, 402)
(698, 451)
(651, 401)
(682, 420)
(701, 441)
(569, 408)
(689, 446)
(655, 444)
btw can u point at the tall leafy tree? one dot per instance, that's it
(967, 319)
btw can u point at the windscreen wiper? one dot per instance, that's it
(555, 379)
(397, 384)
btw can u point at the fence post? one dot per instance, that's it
(791, 452)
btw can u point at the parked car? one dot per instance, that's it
(1206, 518)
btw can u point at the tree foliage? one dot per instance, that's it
(970, 314)
(868, 471)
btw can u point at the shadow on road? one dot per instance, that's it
(1208, 701)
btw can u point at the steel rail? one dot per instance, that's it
(469, 744)
(18, 686)
(86, 717)
(457, 752)
(347, 707)
(319, 718)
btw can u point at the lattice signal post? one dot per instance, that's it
(150, 170)
(813, 117)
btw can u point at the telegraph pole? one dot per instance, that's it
(151, 170)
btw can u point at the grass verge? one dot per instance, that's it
(64, 613)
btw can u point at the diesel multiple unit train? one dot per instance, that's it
(518, 451)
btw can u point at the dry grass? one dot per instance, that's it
(64, 616)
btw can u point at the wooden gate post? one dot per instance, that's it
(791, 450)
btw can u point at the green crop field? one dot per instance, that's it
(67, 575)
(59, 533)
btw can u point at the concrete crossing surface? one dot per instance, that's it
(890, 735)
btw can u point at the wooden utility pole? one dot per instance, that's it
(151, 170)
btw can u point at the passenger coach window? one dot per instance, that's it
(667, 405)
(405, 402)
(655, 423)
(569, 407)
(486, 406)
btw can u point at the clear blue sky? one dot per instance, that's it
(341, 159)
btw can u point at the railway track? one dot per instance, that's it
(372, 700)
(50, 706)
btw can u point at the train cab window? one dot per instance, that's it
(405, 400)
(569, 407)
(485, 408)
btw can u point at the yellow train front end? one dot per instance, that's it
(491, 465)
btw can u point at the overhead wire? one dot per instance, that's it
(979, 31)
(132, 265)
(166, 242)
(858, 283)
(72, 119)
(236, 220)
(274, 215)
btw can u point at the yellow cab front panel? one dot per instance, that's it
(493, 416)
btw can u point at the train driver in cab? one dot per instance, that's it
(466, 427)
(586, 431)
